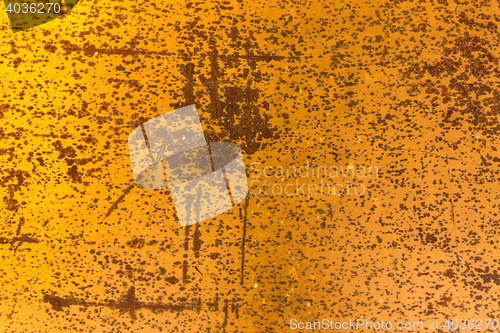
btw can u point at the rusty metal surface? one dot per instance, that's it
(408, 87)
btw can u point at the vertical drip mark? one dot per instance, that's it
(186, 235)
(164, 171)
(145, 136)
(199, 304)
(18, 233)
(146, 140)
(184, 272)
(197, 241)
(120, 199)
(189, 85)
(452, 206)
(226, 310)
(198, 208)
(235, 308)
(228, 187)
(211, 157)
(248, 108)
(216, 105)
(243, 216)
(450, 195)
(64, 7)
(20, 225)
(149, 147)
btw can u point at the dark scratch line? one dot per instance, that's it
(451, 198)
(243, 216)
(184, 272)
(20, 225)
(11, 314)
(24, 238)
(226, 311)
(92, 49)
(131, 304)
(20, 239)
(186, 239)
(198, 271)
(262, 57)
(453, 213)
(120, 199)
(217, 106)
(197, 241)
(190, 84)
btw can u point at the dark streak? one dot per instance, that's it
(226, 310)
(11, 314)
(128, 303)
(450, 197)
(189, 85)
(452, 211)
(235, 308)
(198, 270)
(120, 199)
(184, 272)
(20, 225)
(186, 237)
(385, 53)
(215, 106)
(243, 216)
(20, 239)
(197, 241)
(263, 57)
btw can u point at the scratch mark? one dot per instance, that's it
(120, 199)
(450, 196)
(226, 310)
(197, 241)
(198, 270)
(186, 235)
(184, 272)
(243, 216)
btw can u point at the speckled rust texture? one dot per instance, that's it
(411, 87)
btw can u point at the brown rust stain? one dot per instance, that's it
(409, 86)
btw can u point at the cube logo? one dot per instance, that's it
(171, 149)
